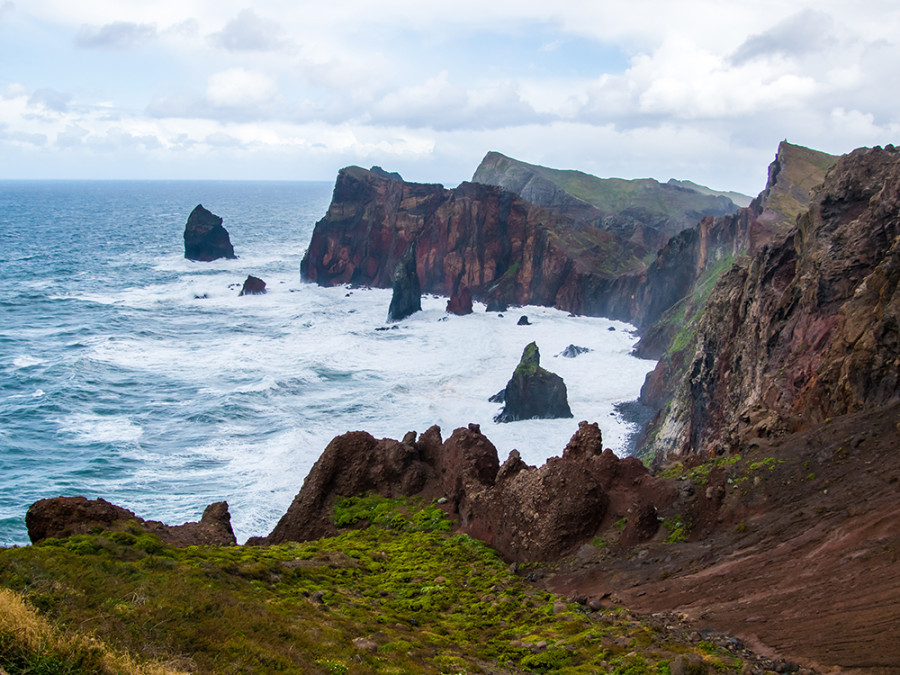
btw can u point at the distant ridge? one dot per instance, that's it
(643, 210)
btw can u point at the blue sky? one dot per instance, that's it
(702, 90)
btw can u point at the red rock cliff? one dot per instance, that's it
(479, 236)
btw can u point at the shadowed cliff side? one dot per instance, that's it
(805, 329)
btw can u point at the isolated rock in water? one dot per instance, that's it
(523, 321)
(204, 237)
(533, 392)
(572, 351)
(253, 286)
(461, 301)
(407, 296)
(67, 516)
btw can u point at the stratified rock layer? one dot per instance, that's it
(66, 516)
(204, 237)
(533, 392)
(499, 246)
(808, 328)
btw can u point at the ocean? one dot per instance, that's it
(132, 374)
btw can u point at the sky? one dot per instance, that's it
(702, 90)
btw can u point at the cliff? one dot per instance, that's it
(676, 285)
(642, 211)
(804, 330)
(498, 245)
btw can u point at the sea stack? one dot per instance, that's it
(204, 237)
(460, 302)
(533, 392)
(253, 286)
(407, 296)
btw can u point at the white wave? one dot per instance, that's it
(92, 428)
(27, 361)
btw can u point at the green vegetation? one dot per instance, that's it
(400, 596)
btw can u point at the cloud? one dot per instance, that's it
(50, 99)
(249, 32)
(240, 88)
(804, 32)
(38, 140)
(72, 136)
(117, 35)
(439, 104)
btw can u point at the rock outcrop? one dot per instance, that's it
(460, 303)
(204, 237)
(572, 351)
(66, 516)
(533, 392)
(253, 286)
(807, 328)
(526, 513)
(406, 298)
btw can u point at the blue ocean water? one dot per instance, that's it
(130, 373)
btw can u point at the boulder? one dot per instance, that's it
(253, 286)
(461, 301)
(67, 516)
(572, 351)
(532, 392)
(523, 321)
(204, 237)
(407, 295)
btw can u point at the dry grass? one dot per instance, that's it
(28, 642)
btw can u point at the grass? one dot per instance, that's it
(422, 599)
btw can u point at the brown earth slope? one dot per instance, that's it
(795, 549)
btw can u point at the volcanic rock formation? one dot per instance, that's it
(460, 302)
(204, 237)
(66, 516)
(253, 286)
(407, 294)
(501, 247)
(533, 392)
(526, 513)
(805, 330)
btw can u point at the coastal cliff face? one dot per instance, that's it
(804, 330)
(482, 237)
(681, 277)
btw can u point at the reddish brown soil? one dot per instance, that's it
(800, 559)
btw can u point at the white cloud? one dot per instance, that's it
(240, 88)
(703, 88)
(249, 32)
(117, 35)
